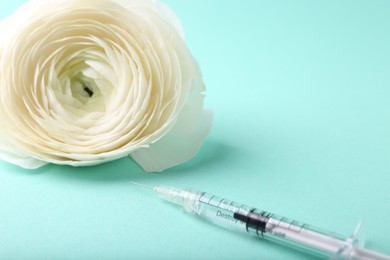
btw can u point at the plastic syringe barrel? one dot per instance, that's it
(267, 225)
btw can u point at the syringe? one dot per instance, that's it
(284, 231)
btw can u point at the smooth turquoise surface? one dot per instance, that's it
(301, 94)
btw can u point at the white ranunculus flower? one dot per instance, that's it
(89, 81)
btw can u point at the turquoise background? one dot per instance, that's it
(300, 91)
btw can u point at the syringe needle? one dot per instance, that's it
(142, 185)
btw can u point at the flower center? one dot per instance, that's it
(85, 84)
(88, 90)
(84, 89)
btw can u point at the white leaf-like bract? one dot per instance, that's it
(89, 81)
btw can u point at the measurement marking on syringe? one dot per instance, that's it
(295, 226)
(219, 204)
(253, 221)
(201, 196)
(231, 203)
(210, 200)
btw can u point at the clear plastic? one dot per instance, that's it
(267, 225)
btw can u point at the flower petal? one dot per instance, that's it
(10, 154)
(176, 147)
